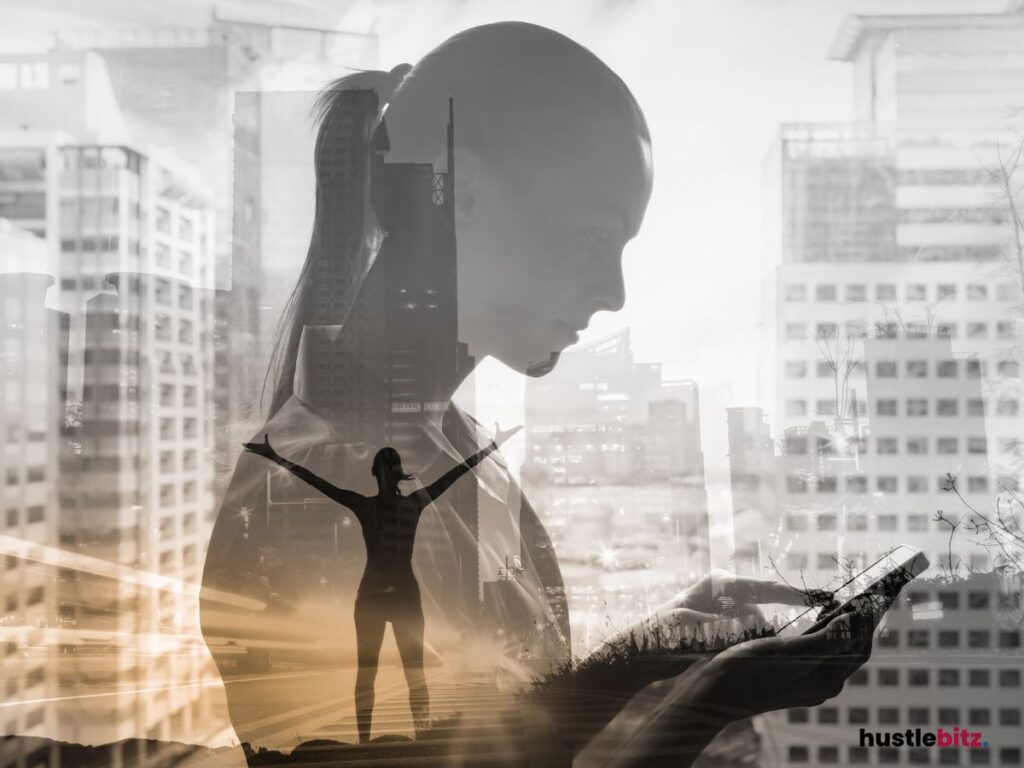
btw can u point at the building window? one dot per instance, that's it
(977, 484)
(979, 678)
(917, 716)
(887, 484)
(917, 523)
(886, 407)
(947, 445)
(796, 407)
(917, 638)
(1008, 368)
(795, 292)
(885, 369)
(1007, 406)
(827, 484)
(857, 715)
(917, 369)
(887, 445)
(949, 678)
(977, 292)
(1006, 330)
(979, 638)
(825, 293)
(977, 330)
(978, 601)
(917, 292)
(856, 292)
(885, 292)
(888, 677)
(917, 446)
(888, 715)
(857, 484)
(917, 406)
(797, 715)
(945, 291)
(796, 331)
(799, 754)
(946, 369)
(975, 406)
(978, 716)
(796, 369)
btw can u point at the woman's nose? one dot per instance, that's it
(606, 290)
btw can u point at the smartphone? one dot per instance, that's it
(869, 594)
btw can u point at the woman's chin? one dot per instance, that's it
(543, 367)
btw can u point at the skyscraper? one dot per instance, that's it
(894, 328)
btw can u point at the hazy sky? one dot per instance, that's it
(715, 78)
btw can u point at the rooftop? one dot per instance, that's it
(856, 29)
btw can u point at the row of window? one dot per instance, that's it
(798, 483)
(34, 596)
(31, 475)
(947, 716)
(914, 523)
(801, 445)
(162, 222)
(800, 754)
(1008, 639)
(829, 561)
(913, 406)
(33, 514)
(858, 329)
(830, 292)
(914, 369)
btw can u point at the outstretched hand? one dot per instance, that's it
(261, 449)
(501, 436)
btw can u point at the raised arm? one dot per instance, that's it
(350, 499)
(444, 482)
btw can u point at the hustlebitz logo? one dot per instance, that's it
(915, 737)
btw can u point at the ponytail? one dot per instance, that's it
(346, 235)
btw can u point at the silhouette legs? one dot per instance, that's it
(408, 627)
(406, 617)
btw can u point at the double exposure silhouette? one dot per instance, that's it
(524, 150)
(388, 590)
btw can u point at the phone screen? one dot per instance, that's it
(868, 594)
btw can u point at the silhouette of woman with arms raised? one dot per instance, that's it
(388, 590)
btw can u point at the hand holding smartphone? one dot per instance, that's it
(869, 594)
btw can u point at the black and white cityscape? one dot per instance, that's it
(823, 370)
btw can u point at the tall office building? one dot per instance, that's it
(127, 235)
(615, 469)
(895, 329)
(32, 371)
(234, 97)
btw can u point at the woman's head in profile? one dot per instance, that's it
(552, 175)
(552, 178)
